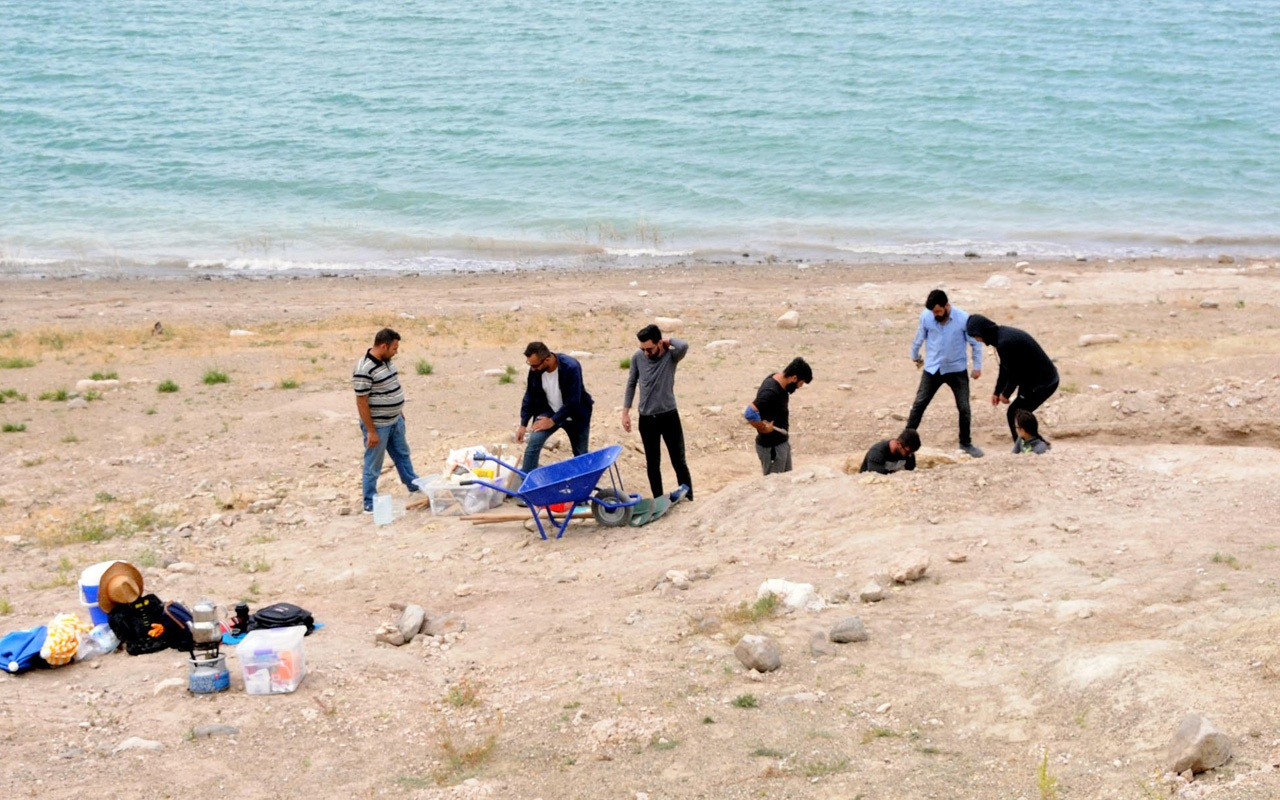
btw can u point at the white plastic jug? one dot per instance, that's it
(383, 512)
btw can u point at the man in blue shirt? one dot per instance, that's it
(942, 332)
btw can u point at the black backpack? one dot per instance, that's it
(282, 615)
(149, 624)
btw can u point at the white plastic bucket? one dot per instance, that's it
(89, 580)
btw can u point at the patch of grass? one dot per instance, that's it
(768, 752)
(56, 395)
(52, 341)
(746, 701)
(879, 732)
(13, 427)
(662, 743)
(150, 412)
(64, 576)
(33, 462)
(424, 367)
(70, 438)
(104, 497)
(16, 362)
(105, 376)
(99, 527)
(624, 363)
(251, 592)
(5, 606)
(213, 376)
(413, 782)
(11, 394)
(818, 769)
(146, 558)
(508, 376)
(464, 754)
(708, 721)
(167, 387)
(462, 694)
(762, 608)
(1070, 388)
(1226, 558)
(1046, 782)
(288, 383)
(257, 565)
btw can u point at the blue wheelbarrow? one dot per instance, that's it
(569, 484)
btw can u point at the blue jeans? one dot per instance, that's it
(579, 433)
(391, 439)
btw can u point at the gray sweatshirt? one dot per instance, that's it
(657, 379)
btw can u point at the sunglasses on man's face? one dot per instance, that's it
(537, 365)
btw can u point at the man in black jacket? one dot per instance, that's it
(1024, 367)
(554, 398)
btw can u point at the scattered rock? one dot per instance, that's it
(791, 319)
(759, 653)
(169, 683)
(957, 558)
(77, 402)
(1198, 746)
(721, 343)
(997, 282)
(669, 324)
(89, 385)
(516, 306)
(1226, 259)
(182, 568)
(871, 592)
(677, 578)
(849, 629)
(1208, 303)
(410, 621)
(259, 506)
(971, 254)
(1021, 265)
(389, 634)
(494, 373)
(819, 645)
(444, 624)
(462, 590)
(1090, 339)
(910, 566)
(207, 731)
(242, 332)
(137, 743)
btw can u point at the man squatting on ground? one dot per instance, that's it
(554, 398)
(653, 368)
(892, 455)
(942, 332)
(380, 402)
(1024, 367)
(768, 414)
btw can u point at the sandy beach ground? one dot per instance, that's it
(1108, 589)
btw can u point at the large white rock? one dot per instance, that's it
(89, 385)
(791, 319)
(759, 653)
(997, 282)
(1198, 746)
(669, 324)
(721, 343)
(794, 596)
(910, 566)
(1090, 339)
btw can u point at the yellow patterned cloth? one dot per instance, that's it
(64, 639)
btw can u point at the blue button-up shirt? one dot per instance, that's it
(944, 351)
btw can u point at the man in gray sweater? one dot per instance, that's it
(653, 367)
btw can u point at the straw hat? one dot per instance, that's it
(121, 583)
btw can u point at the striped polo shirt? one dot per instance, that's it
(381, 383)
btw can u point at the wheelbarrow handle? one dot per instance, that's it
(487, 457)
(477, 481)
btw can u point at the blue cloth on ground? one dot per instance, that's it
(231, 638)
(20, 650)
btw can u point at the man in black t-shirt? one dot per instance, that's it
(768, 414)
(892, 455)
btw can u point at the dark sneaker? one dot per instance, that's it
(368, 510)
(520, 501)
(971, 450)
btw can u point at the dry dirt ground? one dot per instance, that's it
(1110, 587)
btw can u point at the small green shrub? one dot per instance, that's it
(12, 394)
(508, 376)
(5, 606)
(746, 701)
(56, 395)
(215, 376)
(16, 363)
(104, 376)
(424, 367)
(167, 387)
(14, 427)
(288, 383)
(625, 363)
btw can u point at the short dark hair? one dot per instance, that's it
(909, 439)
(1027, 421)
(798, 368)
(385, 336)
(936, 298)
(649, 333)
(536, 349)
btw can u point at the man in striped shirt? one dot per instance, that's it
(380, 401)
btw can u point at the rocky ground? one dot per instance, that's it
(1075, 606)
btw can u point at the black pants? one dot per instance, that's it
(665, 426)
(1030, 399)
(929, 386)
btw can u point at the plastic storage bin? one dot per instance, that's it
(452, 499)
(272, 660)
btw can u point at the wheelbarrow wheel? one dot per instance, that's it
(615, 518)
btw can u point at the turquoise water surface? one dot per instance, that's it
(249, 134)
